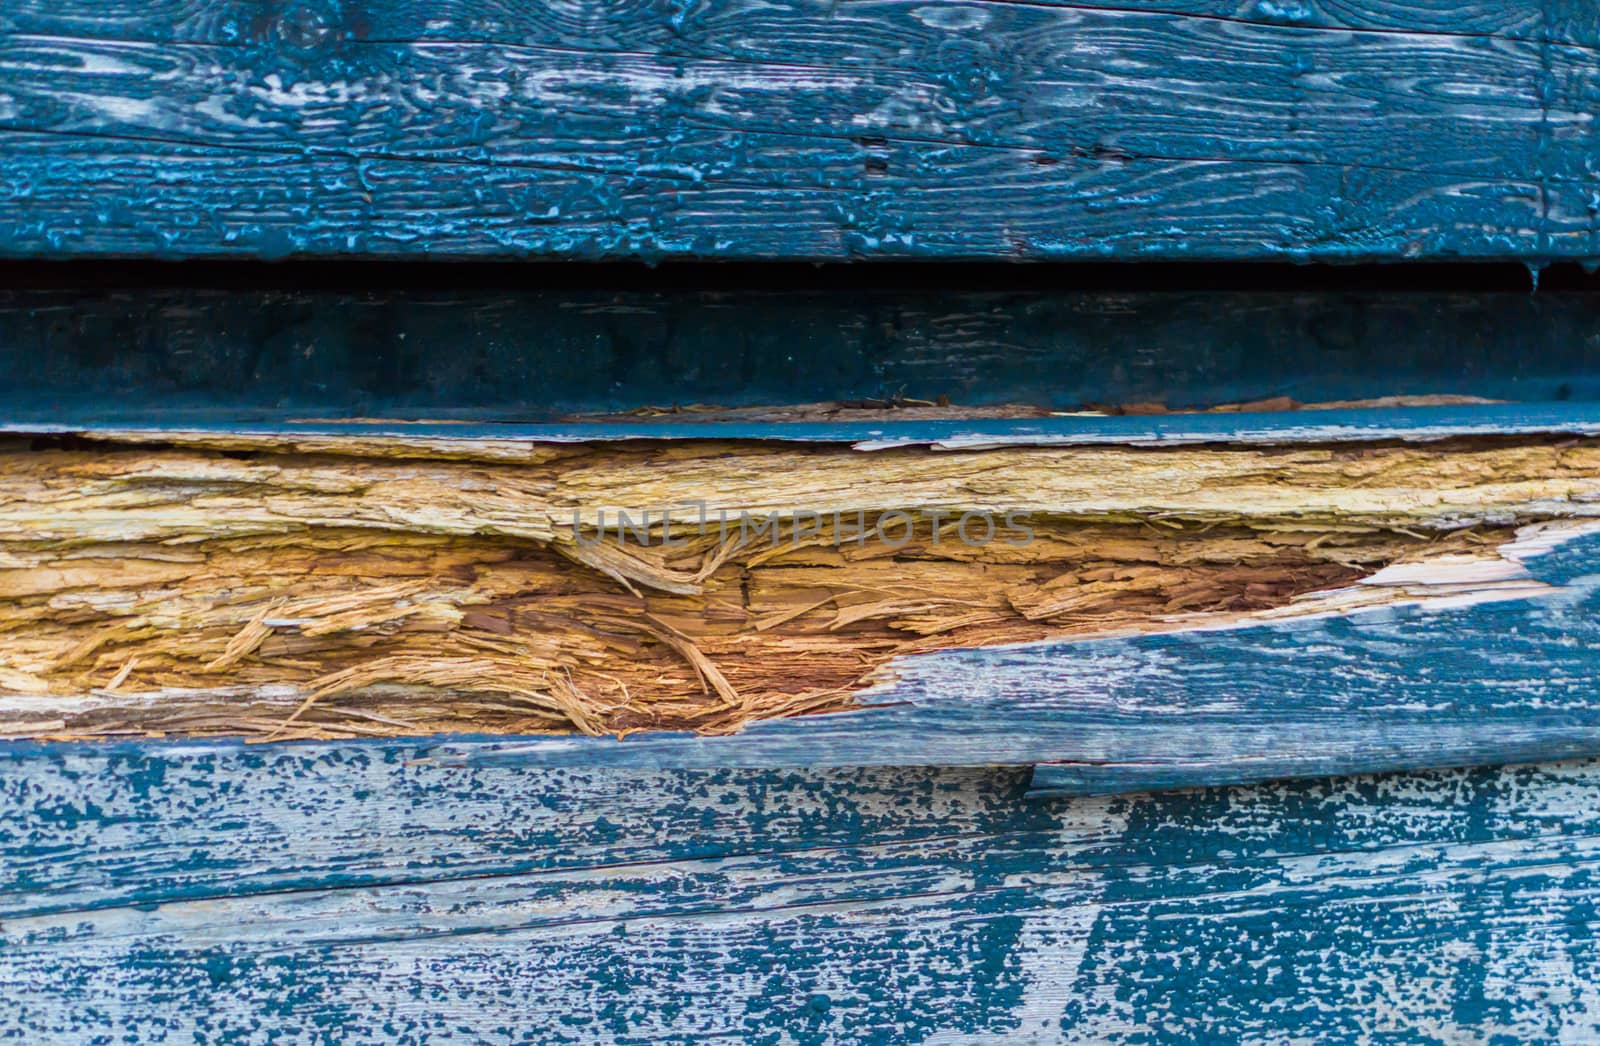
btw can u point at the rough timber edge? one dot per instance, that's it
(1370, 424)
(921, 712)
(908, 720)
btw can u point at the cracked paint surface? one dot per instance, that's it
(798, 130)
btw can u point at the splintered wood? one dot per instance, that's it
(293, 588)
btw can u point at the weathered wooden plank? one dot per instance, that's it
(1460, 660)
(176, 355)
(227, 893)
(1466, 676)
(707, 30)
(800, 130)
(1069, 82)
(341, 586)
(155, 198)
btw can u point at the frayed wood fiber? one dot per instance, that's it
(275, 588)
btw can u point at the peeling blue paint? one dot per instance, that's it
(904, 905)
(722, 128)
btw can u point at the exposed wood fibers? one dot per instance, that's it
(410, 587)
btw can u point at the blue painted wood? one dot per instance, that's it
(358, 893)
(797, 129)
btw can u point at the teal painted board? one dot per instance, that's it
(800, 129)
(339, 893)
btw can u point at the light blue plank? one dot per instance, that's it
(347, 893)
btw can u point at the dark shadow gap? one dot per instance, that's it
(226, 343)
(788, 277)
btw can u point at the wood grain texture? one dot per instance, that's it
(1467, 675)
(151, 582)
(364, 893)
(798, 129)
(172, 356)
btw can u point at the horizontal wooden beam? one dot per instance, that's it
(799, 129)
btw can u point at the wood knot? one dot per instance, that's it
(310, 25)
(971, 67)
